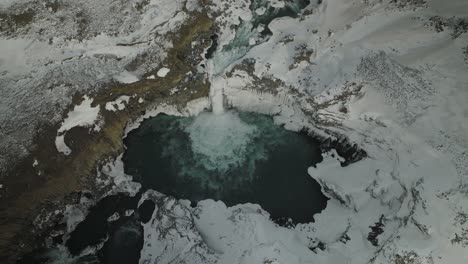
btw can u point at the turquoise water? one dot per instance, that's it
(233, 157)
(256, 28)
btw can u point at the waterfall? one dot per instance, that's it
(216, 90)
(256, 28)
(216, 96)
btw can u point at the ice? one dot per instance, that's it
(121, 182)
(173, 237)
(380, 75)
(234, 46)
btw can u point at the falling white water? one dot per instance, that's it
(216, 90)
(216, 96)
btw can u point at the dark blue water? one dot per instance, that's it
(242, 158)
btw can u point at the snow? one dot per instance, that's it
(259, 240)
(126, 77)
(404, 108)
(233, 14)
(454, 8)
(7, 3)
(82, 115)
(61, 146)
(260, 11)
(113, 217)
(163, 72)
(192, 108)
(78, 48)
(12, 55)
(369, 190)
(173, 237)
(276, 3)
(120, 182)
(118, 104)
(74, 214)
(192, 5)
(378, 74)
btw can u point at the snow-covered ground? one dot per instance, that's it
(382, 77)
(381, 74)
(50, 50)
(82, 115)
(389, 75)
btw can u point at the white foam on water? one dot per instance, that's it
(221, 139)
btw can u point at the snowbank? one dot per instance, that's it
(82, 115)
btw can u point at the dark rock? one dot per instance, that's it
(377, 229)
